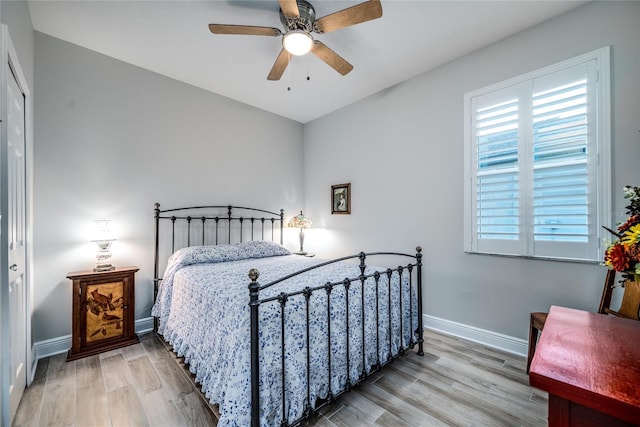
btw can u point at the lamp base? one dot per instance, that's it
(104, 267)
(300, 253)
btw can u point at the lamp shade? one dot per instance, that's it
(102, 231)
(300, 221)
(297, 42)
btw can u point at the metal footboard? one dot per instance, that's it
(413, 270)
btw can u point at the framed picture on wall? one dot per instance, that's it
(341, 199)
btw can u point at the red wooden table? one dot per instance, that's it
(589, 364)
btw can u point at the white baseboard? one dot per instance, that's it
(144, 326)
(62, 344)
(482, 336)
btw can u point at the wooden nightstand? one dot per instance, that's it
(103, 311)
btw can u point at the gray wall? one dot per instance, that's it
(111, 139)
(402, 150)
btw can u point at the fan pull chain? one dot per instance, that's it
(289, 72)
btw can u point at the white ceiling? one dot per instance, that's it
(172, 38)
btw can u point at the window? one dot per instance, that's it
(537, 153)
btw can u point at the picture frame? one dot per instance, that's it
(341, 199)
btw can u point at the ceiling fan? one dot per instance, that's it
(299, 20)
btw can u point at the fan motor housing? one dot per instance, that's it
(304, 21)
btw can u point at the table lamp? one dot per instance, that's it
(301, 222)
(103, 237)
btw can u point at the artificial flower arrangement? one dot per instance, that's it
(623, 255)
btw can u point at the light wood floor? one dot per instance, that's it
(456, 383)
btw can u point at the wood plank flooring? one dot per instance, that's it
(456, 383)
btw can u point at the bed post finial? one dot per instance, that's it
(254, 290)
(419, 277)
(363, 266)
(282, 226)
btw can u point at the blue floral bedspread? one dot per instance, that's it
(203, 311)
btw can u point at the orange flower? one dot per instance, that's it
(634, 251)
(632, 220)
(616, 257)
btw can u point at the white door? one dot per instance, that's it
(14, 256)
(16, 218)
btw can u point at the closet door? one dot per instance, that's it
(16, 228)
(14, 293)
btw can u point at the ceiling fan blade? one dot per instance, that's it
(280, 65)
(244, 30)
(289, 8)
(357, 14)
(334, 60)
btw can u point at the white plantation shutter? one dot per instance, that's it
(564, 124)
(534, 184)
(495, 123)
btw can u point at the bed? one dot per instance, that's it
(271, 337)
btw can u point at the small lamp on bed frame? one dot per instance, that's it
(301, 222)
(103, 237)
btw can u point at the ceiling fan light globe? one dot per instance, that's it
(297, 42)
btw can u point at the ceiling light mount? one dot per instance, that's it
(304, 21)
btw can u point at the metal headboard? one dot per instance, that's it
(215, 225)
